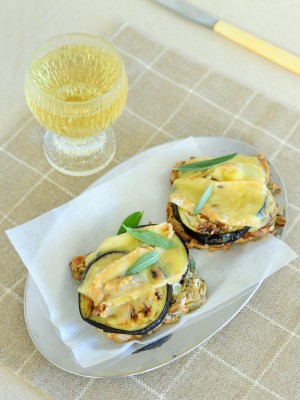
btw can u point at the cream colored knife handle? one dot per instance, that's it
(259, 46)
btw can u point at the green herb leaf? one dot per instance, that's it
(203, 199)
(151, 238)
(132, 220)
(143, 262)
(192, 265)
(201, 165)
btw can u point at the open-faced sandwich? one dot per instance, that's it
(214, 202)
(136, 281)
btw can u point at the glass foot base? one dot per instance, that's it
(80, 157)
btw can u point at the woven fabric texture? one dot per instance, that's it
(257, 355)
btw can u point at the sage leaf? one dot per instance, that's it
(203, 199)
(206, 164)
(132, 220)
(143, 262)
(151, 238)
(192, 264)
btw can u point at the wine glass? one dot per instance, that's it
(76, 87)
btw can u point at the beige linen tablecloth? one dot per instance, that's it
(257, 355)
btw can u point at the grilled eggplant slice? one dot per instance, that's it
(135, 318)
(241, 207)
(135, 304)
(174, 262)
(210, 239)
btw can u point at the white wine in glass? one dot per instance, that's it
(76, 87)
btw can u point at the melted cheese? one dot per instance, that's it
(171, 260)
(240, 196)
(137, 313)
(232, 203)
(239, 168)
(110, 285)
(107, 283)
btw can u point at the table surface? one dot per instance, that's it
(24, 25)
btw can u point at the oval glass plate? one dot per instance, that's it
(48, 342)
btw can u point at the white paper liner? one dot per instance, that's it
(47, 244)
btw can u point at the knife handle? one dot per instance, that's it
(265, 49)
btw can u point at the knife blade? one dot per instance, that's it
(251, 42)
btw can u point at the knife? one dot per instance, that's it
(259, 46)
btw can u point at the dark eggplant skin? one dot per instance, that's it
(261, 211)
(216, 238)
